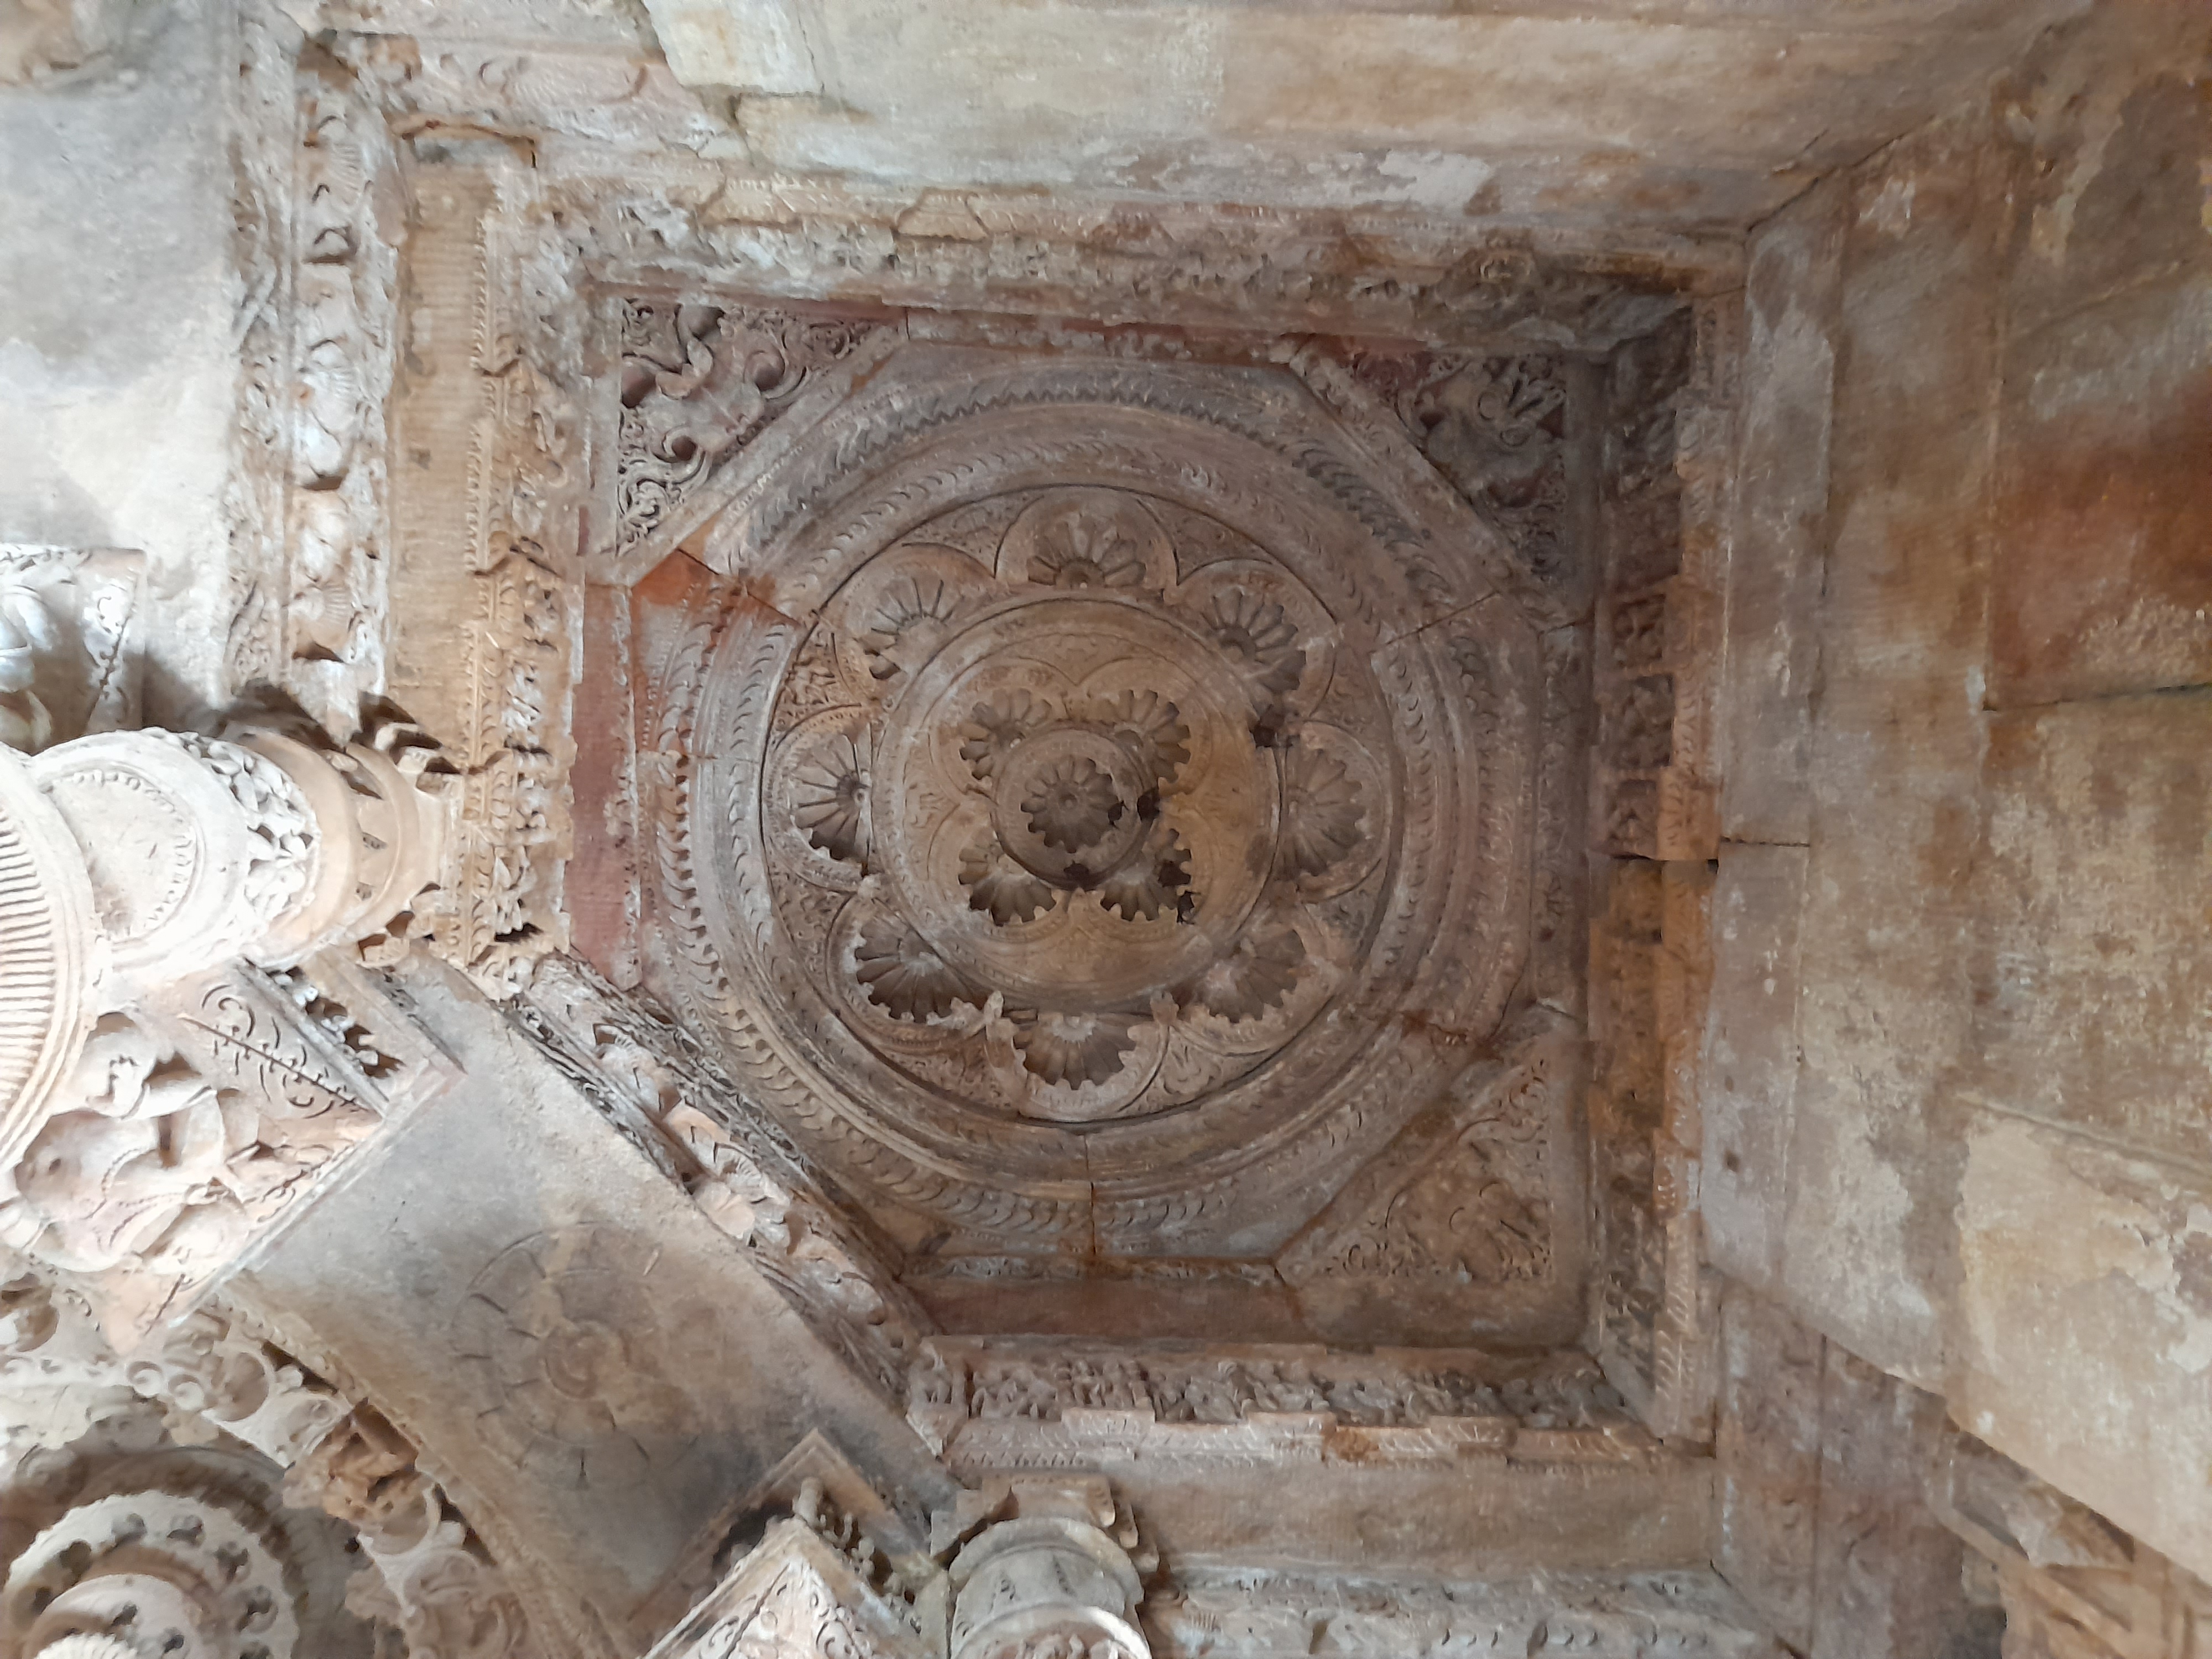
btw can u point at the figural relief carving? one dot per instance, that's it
(184, 1050)
(1097, 769)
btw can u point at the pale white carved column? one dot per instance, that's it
(181, 1046)
(201, 849)
(1051, 1583)
(51, 952)
(131, 860)
(151, 1573)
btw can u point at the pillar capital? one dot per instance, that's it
(1049, 1581)
(168, 906)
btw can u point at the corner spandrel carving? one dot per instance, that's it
(1475, 1195)
(1503, 431)
(699, 381)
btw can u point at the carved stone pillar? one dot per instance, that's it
(201, 849)
(151, 1575)
(1051, 1583)
(129, 861)
(51, 953)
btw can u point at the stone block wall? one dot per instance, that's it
(1956, 1062)
(118, 299)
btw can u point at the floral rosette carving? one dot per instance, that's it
(1097, 809)
(1078, 809)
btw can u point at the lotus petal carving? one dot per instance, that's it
(1072, 1048)
(1255, 976)
(1257, 634)
(903, 976)
(1001, 888)
(1156, 885)
(1078, 551)
(910, 618)
(1150, 727)
(994, 727)
(1073, 805)
(829, 797)
(1320, 812)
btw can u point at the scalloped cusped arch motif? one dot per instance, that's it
(1100, 797)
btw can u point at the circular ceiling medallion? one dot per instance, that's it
(1054, 843)
(1092, 855)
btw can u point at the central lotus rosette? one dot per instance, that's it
(1063, 820)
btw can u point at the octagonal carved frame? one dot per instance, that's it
(1398, 584)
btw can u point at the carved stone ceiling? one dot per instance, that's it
(1620, 117)
(1093, 805)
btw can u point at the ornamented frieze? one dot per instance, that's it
(319, 205)
(485, 538)
(1279, 1616)
(1009, 1403)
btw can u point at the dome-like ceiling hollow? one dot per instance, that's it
(1096, 818)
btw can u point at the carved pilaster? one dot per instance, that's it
(1666, 477)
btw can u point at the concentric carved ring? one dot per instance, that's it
(1094, 771)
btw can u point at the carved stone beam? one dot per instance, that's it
(1054, 1579)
